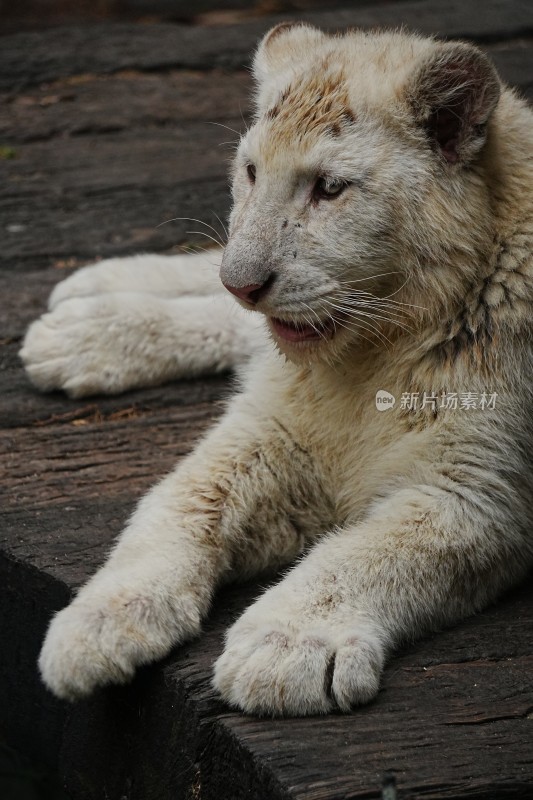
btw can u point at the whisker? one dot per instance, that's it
(227, 127)
(350, 314)
(374, 303)
(203, 233)
(188, 250)
(312, 310)
(357, 325)
(308, 322)
(397, 290)
(396, 303)
(377, 332)
(222, 224)
(374, 317)
(319, 330)
(386, 297)
(246, 126)
(384, 314)
(199, 221)
(370, 277)
(354, 313)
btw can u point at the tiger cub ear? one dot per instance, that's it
(284, 45)
(452, 94)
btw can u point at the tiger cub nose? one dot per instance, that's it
(253, 292)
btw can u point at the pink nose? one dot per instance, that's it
(250, 294)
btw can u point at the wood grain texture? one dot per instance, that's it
(106, 136)
(105, 48)
(100, 163)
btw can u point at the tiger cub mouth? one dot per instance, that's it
(302, 331)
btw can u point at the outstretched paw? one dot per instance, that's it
(86, 282)
(97, 641)
(283, 669)
(94, 345)
(164, 276)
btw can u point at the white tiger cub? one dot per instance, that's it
(382, 226)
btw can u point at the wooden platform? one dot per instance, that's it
(103, 136)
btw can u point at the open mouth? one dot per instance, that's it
(302, 331)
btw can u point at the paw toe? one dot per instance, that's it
(356, 673)
(283, 672)
(275, 673)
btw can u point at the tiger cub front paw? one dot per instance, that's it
(284, 667)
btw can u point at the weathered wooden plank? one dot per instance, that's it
(30, 58)
(459, 728)
(24, 298)
(100, 164)
(514, 62)
(107, 194)
(92, 104)
(31, 719)
(448, 723)
(124, 451)
(33, 14)
(117, 220)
